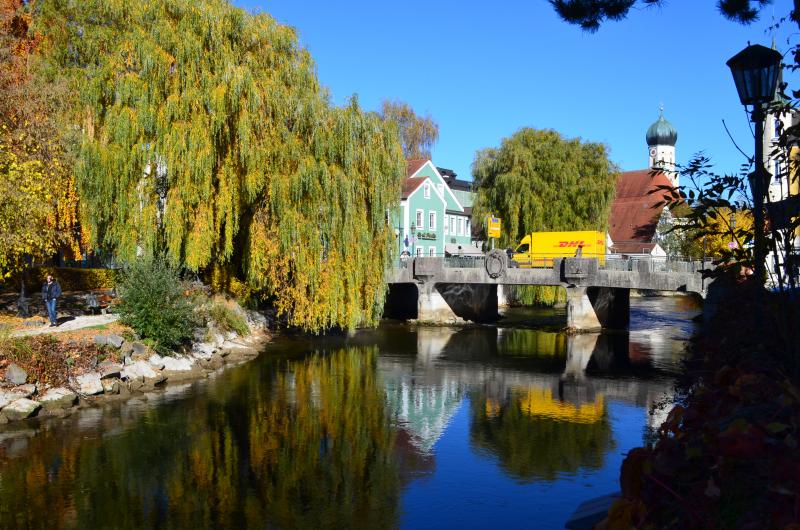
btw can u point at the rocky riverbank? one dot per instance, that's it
(129, 368)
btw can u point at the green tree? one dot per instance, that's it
(590, 14)
(418, 134)
(205, 133)
(539, 181)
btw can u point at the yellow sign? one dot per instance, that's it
(493, 226)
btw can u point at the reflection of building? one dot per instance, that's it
(634, 213)
(423, 411)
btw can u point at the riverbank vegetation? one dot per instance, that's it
(201, 131)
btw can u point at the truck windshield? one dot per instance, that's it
(522, 248)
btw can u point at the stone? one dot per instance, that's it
(140, 348)
(6, 398)
(115, 341)
(100, 340)
(110, 386)
(156, 361)
(21, 409)
(24, 391)
(126, 349)
(231, 335)
(58, 398)
(213, 363)
(89, 384)
(108, 369)
(202, 350)
(16, 375)
(199, 334)
(138, 370)
(178, 364)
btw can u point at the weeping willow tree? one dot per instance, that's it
(539, 181)
(206, 134)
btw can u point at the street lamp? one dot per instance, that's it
(755, 72)
(413, 240)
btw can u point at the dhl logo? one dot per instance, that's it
(562, 244)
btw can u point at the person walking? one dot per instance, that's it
(51, 290)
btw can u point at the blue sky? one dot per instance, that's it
(484, 70)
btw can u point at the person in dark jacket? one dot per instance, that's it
(51, 290)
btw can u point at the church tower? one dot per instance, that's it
(661, 138)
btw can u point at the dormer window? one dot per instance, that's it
(426, 190)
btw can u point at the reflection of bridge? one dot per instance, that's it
(450, 289)
(424, 391)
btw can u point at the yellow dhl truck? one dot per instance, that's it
(538, 249)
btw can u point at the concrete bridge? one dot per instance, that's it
(453, 289)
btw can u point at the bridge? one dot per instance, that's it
(460, 288)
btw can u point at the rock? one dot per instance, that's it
(199, 334)
(24, 391)
(110, 386)
(89, 384)
(58, 398)
(21, 409)
(126, 349)
(109, 369)
(100, 340)
(127, 361)
(3, 419)
(156, 361)
(231, 335)
(202, 350)
(115, 340)
(6, 398)
(213, 363)
(138, 370)
(178, 364)
(16, 375)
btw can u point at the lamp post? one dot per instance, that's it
(413, 240)
(755, 73)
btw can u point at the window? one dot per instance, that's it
(461, 226)
(440, 187)
(426, 190)
(431, 220)
(778, 169)
(469, 229)
(419, 252)
(420, 220)
(777, 127)
(446, 224)
(453, 225)
(432, 252)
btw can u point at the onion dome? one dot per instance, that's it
(662, 132)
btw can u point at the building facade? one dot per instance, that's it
(431, 220)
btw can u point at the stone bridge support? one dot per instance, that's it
(593, 308)
(456, 302)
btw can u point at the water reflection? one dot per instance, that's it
(371, 431)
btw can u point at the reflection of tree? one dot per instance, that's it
(532, 439)
(310, 447)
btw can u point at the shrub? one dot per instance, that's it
(154, 304)
(227, 316)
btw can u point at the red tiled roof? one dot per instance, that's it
(411, 185)
(633, 213)
(413, 165)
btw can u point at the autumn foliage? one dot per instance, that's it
(38, 210)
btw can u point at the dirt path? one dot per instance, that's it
(70, 325)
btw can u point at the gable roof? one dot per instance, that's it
(410, 185)
(414, 165)
(634, 214)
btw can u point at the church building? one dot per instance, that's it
(634, 212)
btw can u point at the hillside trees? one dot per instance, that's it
(206, 134)
(38, 202)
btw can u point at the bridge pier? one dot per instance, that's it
(432, 307)
(594, 308)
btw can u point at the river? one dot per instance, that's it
(482, 427)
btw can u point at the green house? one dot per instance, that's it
(431, 220)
